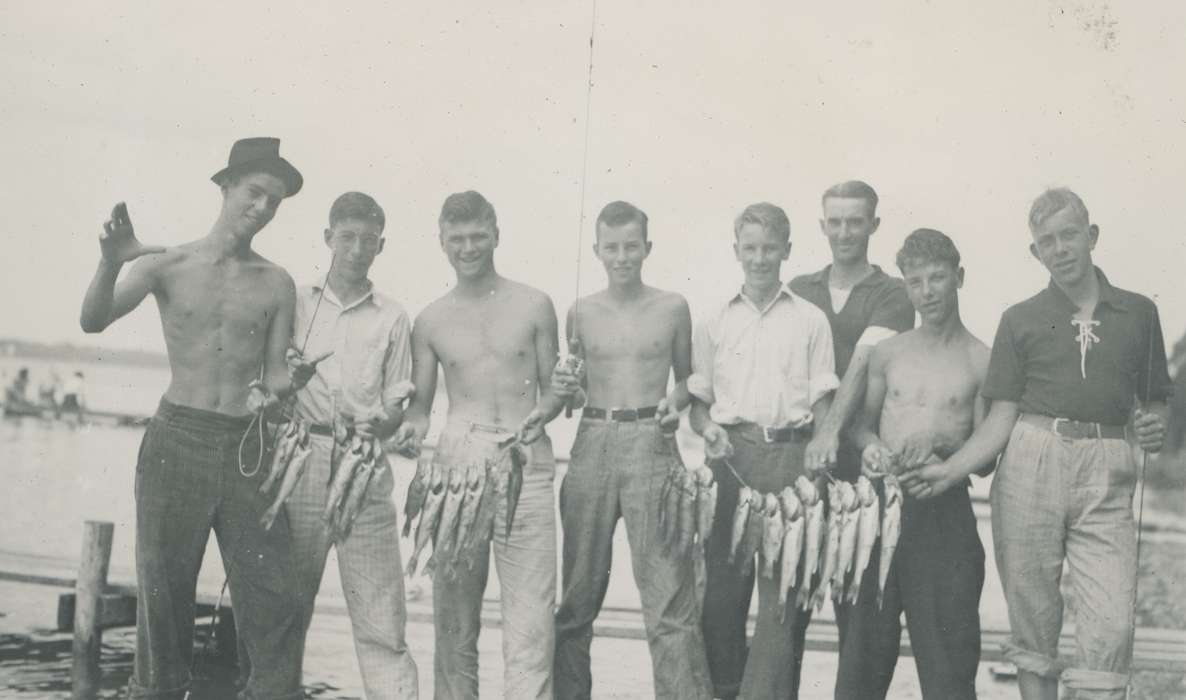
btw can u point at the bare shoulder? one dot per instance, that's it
(978, 354)
(894, 346)
(431, 315)
(533, 300)
(672, 302)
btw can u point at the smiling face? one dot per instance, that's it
(761, 254)
(848, 222)
(469, 246)
(622, 249)
(250, 201)
(1063, 243)
(933, 288)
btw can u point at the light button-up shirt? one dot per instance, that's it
(372, 362)
(765, 366)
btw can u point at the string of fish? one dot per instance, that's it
(816, 538)
(456, 507)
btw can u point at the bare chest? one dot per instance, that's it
(938, 383)
(208, 297)
(616, 337)
(480, 334)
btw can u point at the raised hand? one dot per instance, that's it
(118, 241)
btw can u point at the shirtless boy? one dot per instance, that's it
(633, 337)
(922, 401)
(226, 312)
(496, 340)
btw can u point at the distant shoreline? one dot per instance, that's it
(12, 348)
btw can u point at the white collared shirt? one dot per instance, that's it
(372, 361)
(766, 366)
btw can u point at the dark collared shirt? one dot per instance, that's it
(1053, 366)
(878, 300)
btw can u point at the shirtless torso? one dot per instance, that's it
(496, 349)
(924, 393)
(632, 345)
(225, 310)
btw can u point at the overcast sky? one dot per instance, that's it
(959, 113)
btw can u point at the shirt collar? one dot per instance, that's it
(821, 278)
(333, 298)
(783, 291)
(1108, 294)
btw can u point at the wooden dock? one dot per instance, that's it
(1156, 649)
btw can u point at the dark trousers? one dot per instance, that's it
(617, 471)
(187, 482)
(769, 664)
(935, 578)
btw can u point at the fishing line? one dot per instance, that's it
(258, 418)
(1132, 642)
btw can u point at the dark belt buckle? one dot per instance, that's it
(1075, 429)
(769, 434)
(624, 415)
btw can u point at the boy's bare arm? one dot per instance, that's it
(864, 431)
(106, 300)
(549, 403)
(411, 431)
(681, 368)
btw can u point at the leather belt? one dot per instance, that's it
(1074, 429)
(621, 415)
(321, 429)
(764, 433)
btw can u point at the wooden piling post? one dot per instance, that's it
(88, 592)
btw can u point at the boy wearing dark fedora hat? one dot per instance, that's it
(227, 317)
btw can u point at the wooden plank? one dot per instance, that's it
(115, 610)
(1156, 649)
(88, 590)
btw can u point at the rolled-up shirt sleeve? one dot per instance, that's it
(397, 366)
(700, 382)
(822, 360)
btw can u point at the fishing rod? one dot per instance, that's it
(574, 360)
(1132, 641)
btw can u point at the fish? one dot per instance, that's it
(740, 518)
(475, 488)
(337, 490)
(772, 530)
(346, 465)
(830, 557)
(429, 516)
(891, 529)
(668, 484)
(353, 502)
(794, 529)
(706, 504)
(281, 455)
(687, 514)
(417, 492)
(813, 533)
(519, 457)
(296, 467)
(670, 506)
(849, 522)
(447, 529)
(492, 495)
(868, 528)
(752, 542)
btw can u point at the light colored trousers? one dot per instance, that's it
(1056, 498)
(526, 564)
(370, 568)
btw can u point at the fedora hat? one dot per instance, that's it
(260, 153)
